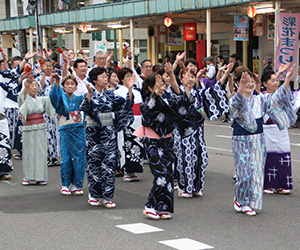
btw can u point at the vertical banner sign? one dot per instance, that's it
(241, 28)
(288, 34)
(255, 61)
(189, 31)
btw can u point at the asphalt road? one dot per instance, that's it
(37, 217)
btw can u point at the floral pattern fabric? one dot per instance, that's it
(161, 161)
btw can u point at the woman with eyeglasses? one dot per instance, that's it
(107, 113)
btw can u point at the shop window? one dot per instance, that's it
(85, 43)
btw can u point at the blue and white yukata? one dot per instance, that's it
(9, 82)
(159, 120)
(130, 146)
(101, 139)
(189, 144)
(52, 125)
(248, 140)
(5, 151)
(72, 137)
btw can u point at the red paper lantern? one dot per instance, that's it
(168, 22)
(84, 28)
(251, 12)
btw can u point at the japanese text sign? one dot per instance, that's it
(288, 34)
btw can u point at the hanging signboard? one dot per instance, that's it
(174, 36)
(241, 28)
(288, 36)
(271, 27)
(189, 31)
(259, 25)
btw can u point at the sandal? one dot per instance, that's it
(110, 204)
(77, 192)
(248, 211)
(164, 216)
(41, 183)
(65, 192)
(25, 183)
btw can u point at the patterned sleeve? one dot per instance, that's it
(58, 101)
(279, 107)
(214, 101)
(241, 112)
(123, 112)
(86, 106)
(11, 74)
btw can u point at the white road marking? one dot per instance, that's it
(295, 144)
(224, 136)
(185, 244)
(139, 228)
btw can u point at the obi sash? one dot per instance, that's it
(148, 132)
(34, 119)
(74, 117)
(136, 109)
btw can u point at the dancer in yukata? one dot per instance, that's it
(248, 140)
(107, 113)
(32, 109)
(130, 146)
(278, 168)
(72, 134)
(189, 144)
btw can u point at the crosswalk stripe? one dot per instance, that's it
(186, 244)
(139, 228)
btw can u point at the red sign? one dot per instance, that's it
(189, 31)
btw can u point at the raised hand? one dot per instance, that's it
(109, 57)
(131, 82)
(168, 68)
(291, 71)
(129, 52)
(4, 55)
(30, 55)
(244, 79)
(283, 67)
(180, 56)
(39, 53)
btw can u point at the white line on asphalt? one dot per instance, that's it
(185, 244)
(295, 144)
(139, 228)
(224, 136)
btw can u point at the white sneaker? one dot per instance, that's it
(248, 211)
(176, 187)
